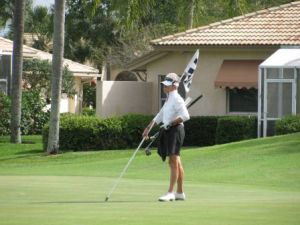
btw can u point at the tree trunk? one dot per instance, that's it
(191, 8)
(16, 91)
(57, 67)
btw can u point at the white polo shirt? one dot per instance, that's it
(173, 108)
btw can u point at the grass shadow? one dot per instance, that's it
(30, 152)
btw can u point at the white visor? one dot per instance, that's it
(169, 82)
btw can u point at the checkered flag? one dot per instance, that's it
(189, 71)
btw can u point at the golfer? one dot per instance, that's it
(171, 136)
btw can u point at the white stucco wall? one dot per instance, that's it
(209, 64)
(122, 97)
(75, 103)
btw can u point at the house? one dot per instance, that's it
(82, 73)
(230, 54)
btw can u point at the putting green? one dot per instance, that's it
(255, 182)
(75, 200)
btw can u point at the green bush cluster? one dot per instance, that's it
(133, 127)
(288, 125)
(33, 113)
(88, 112)
(201, 131)
(81, 133)
(236, 128)
(5, 105)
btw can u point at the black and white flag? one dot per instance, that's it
(189, 71)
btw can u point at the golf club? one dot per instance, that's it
(113, 188)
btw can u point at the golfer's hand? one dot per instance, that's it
(145, 133)
(167, 125)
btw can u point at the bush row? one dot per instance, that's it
(288, 125)
(33, 115)
(81, 133)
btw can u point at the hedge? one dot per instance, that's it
(88, 112)
(81, 133)
(33, 115)
(236, 128)
(133, 126)
(201, 131)
(288, 125)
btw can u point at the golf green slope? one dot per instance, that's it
(250, 182)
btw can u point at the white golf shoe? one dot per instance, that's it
(167, 197)
(179, 196)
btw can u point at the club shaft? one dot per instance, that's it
(113, 188)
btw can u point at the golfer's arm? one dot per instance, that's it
(150, 124)
(176, 121)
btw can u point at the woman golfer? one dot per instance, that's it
(171, 136)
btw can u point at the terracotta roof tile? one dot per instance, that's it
(274, 26)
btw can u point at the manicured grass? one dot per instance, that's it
(251, 182)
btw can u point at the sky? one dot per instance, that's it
(43, 2)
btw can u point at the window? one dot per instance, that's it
(162, 96)
(242, 100)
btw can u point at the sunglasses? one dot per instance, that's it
(171, 80)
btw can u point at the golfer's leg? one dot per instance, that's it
(180, 177)
(173, 162)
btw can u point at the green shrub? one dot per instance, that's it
(5, 115)
(133, 126)
(33, 115)
(201, 131)
(288, 125)
(81, 133)
(236, 128)
(88, 112)
(89, 96)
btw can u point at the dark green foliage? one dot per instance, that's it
(5, 114)
(288, 125)
(38, 73)
(236, 128)
(81, 133)
(88, 112)
(201, 131)
(89, 96)
(33, 116)
(133, 126)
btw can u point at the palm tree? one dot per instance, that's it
(57, 66)
(16, 92)
(7, 9)
(39, 23)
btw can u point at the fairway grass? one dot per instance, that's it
(243, 183)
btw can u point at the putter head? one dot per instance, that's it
(147, 151)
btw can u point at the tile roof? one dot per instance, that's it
(274, 26)
(6, 45)
(77, 69)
